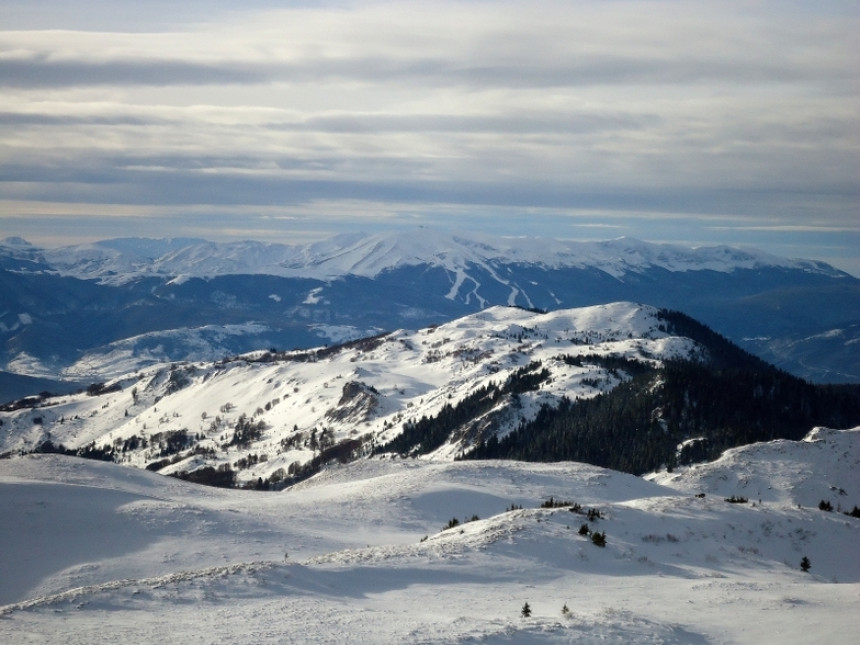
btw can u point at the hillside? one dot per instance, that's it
(99, 553)
(500, 383)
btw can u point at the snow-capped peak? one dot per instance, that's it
(15, 242)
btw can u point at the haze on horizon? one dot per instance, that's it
(688, 122)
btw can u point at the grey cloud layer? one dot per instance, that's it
(741, 110)
(41, 71)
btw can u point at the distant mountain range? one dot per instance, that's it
(89, 312)
(124, 260)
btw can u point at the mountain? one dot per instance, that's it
(127, 259)
(622, 385)
(372, 521)
(99, 553)
(74, 311)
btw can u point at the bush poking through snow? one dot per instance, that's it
(736, 499)
(598, 538)
(455, 522)
(558, 503)
(805, 564)
(526, 611)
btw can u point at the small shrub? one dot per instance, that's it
(736, 499)
(565, 611)
(805, 564)
(824, 505)
(555, 503)
(526, 611)
(659, 539)
(583, 530)
(598, 539)
(854, 513)
(451, 524)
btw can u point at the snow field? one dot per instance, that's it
(98, 552)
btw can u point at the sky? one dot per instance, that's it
(695, 122)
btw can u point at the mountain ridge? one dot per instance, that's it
(122, 259)
(466, 388)
(146, 299)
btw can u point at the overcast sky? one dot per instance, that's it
(697, 122)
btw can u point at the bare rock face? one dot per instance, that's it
(357, 403)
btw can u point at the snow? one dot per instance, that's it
(146, 350)
(118, 261)
(777, 472)
(313, 296)
(99, 553)
(412, 374)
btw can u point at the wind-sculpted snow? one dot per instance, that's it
(367, 552)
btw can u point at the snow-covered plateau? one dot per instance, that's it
(368, 552)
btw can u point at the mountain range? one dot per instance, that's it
(622, 385)
(95, 311)
(610, 473)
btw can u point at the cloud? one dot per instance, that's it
(40, 72)
(591, 113)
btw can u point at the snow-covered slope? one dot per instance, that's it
(98, 553)
(781, 472)
(207, 343)
(268, 414)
